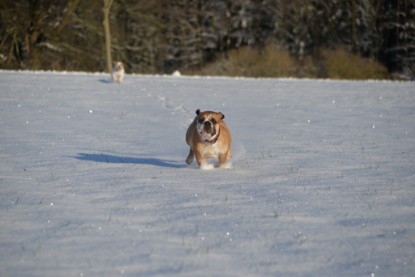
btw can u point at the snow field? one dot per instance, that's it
(93, 180)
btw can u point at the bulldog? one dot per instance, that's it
(118, 72)
(209, 137)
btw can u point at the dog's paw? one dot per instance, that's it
(207, 166)
(226, 165)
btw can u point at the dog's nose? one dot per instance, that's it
(207, 126)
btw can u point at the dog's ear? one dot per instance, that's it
(197, 111)
(222, 116)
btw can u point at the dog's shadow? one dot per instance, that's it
(112, 159)
(106, 81)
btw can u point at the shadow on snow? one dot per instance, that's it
(106, 158)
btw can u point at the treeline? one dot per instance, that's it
(161, 36)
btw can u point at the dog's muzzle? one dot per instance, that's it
(208, 128)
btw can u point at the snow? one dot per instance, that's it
(93, 179)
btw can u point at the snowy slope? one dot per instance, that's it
(93, 180)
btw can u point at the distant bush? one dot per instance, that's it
(341, 64)
(275, 62)
(270, 61)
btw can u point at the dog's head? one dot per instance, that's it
(118, 66)
(207, 124)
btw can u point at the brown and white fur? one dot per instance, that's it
(209, 137)
(118, 72)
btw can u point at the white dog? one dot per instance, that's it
(118, 72)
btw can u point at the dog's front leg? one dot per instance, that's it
(202, 162)
(224, 162)
(190, 157)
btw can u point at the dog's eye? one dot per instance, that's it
(213, 121)
(200, 120)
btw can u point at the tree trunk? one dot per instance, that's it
(106, 9)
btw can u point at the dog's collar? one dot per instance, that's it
(213, 141)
